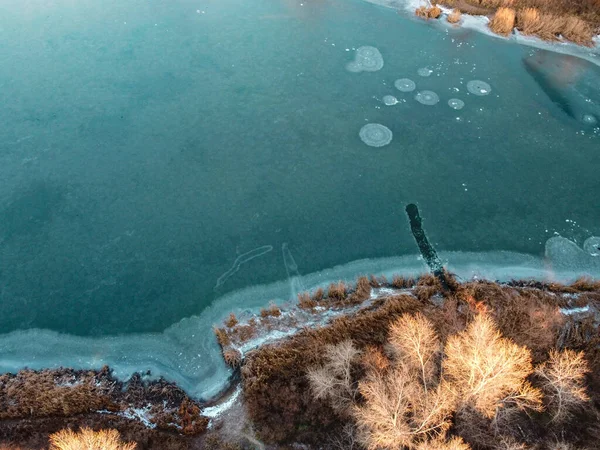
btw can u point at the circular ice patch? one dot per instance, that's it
(429, 98)
(389, 100)
(589, 119)
(405, 85)
(366, 59)
(424, 71)
(592, 246)
(478, 87)
(456, 103)
(375, 135)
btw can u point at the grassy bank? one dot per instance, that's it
(551, 20)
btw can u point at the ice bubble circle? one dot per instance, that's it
(589, 119)
(456, 103)
(405, 85)
(389, 100)
(428, 98)
(375, 135)
(592, 245)
(478, 87)
(367, 59)
(424, 71)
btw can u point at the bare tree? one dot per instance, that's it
(397, 414)
(489, 371)
(333, 381)
(416, 345)
(563, 382)
(456, 443)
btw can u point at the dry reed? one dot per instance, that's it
(503, 21)
(454, 16)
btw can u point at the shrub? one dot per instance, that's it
(454, 16)
(488, 371)
(87, 439)
(563, 378)
(503, 21)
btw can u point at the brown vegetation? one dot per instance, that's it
(454, 16)
(222, 337)
(435, 366)
(503, 21)
(271, 311)
(231, 321)
(87, 439)
(432, 12)
(39, 403)
(232, 357)
(550, 20)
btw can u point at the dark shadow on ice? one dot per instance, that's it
(427, 251)
(569, 82)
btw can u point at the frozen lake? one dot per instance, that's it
(158, 157)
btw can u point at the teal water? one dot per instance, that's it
(145, 145)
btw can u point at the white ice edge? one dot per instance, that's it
(140, 414)
(186, 353)
(213, 412)
(572, 311)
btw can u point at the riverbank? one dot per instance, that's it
(273, 404)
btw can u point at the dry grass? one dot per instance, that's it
(528, 21)
(337, 291)
(87, 439)
(271, 311)
(433, 12)
(232, 357)
(231, 321)
(578, 31)
(576, 21)
(305, 301)
(454, 16)
(222, 337)
(318, 295)
(503, 21)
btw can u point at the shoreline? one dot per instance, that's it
(187, 354)
(480, 24)
(150, 411)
